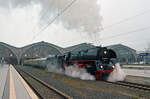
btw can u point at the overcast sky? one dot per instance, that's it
(123, 21)
(132, 15)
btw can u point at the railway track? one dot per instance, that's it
(42, 89)
(132, 85)
(56, 94)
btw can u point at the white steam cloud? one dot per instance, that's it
(83, 15)
(117, 75)
(76, 72)
(72, 71)
(53, 68)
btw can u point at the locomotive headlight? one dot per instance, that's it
(101, 66)
(113, 66)
(105, 52)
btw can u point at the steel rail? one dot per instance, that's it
(63, 95)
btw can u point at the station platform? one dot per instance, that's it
(13, 86)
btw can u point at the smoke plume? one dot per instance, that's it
(117, 75)
(83, 15)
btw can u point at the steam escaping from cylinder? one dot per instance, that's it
(72, 71)
(76, 72)
(54, 68)
(117, 75)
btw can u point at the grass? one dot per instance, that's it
(40, 71)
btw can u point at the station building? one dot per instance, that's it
(14, 55)
(143, 57)
(79, 47)
(125, 54)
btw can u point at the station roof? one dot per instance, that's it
(124, 53)
(79, 47)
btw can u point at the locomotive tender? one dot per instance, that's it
(98, 61)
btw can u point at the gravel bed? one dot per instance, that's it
(79, 89)
(139, 68)
(137, 79)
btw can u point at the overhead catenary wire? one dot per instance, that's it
(41, 17)
(126, 19)
(122, 21)
(53, 20)
(126, 33)
(131, 42)
(62, 11)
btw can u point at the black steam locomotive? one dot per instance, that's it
(98, 61)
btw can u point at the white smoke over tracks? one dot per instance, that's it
(76, 72)
(117, 75)
(54, 69)
(72, 71)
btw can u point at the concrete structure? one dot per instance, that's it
(13, 85)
